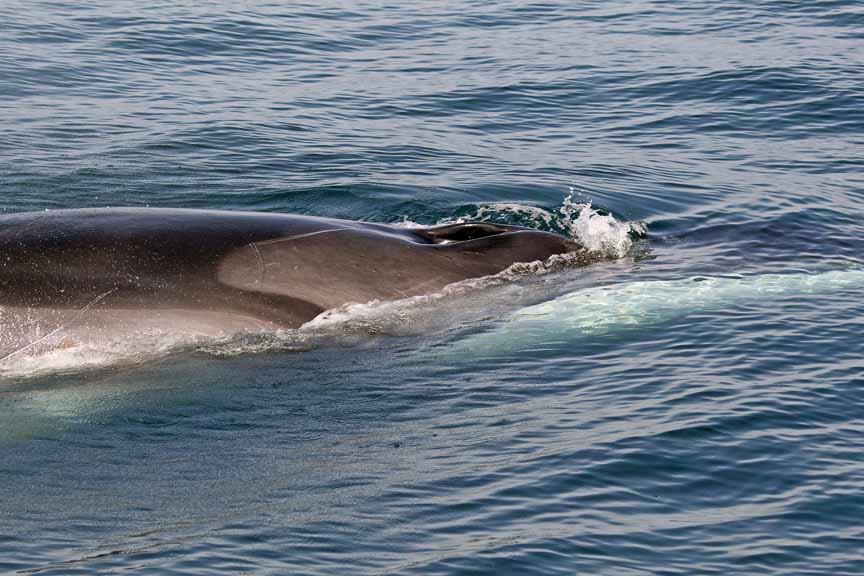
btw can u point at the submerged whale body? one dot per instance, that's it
(216, 272)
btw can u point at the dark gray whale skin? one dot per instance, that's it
(279, 268)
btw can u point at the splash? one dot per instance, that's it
(599, 232)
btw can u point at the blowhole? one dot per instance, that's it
(463, 232)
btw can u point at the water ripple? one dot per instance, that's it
(709, 440)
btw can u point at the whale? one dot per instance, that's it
(609, 310)
(110, 272)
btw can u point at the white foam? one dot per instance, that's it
(601, 233)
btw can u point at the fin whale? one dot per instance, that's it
(216, 272)
(611, 309)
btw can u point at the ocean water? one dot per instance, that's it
(692, 403)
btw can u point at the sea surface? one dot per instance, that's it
(693, 403)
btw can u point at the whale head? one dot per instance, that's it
(351, 263)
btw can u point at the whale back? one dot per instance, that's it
(276, 268)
